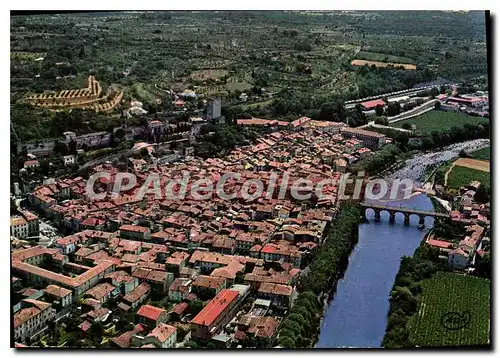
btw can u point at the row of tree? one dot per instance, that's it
(331, 260)
(403, 297)
(301, 325)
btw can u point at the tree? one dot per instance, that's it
(181, 333)
(240, 277)
(124, 325)
(393, 109)
(382, 121)
(60, 148)
(96, 330)
(72, 146)
(379, 110)
(406, 126)
(463, 154)
(286, 342)
(287, 333)
(195, 307)
(484, 266)
(483, 194)
(437, 105)
(434, 92)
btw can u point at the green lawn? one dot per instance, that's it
(258, 104)
(439, 120)
(449, 292)
(482, 154)
(461, 176)
(375, 56)
(240, 86)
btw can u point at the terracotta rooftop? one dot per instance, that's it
(215, 307)
(150, 312)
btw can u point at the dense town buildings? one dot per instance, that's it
(152, 258)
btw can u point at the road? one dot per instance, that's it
(373, 124)
(110, 158)
(417, 111)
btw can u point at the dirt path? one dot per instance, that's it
(447, 173)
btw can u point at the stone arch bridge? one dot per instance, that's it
(393, 210)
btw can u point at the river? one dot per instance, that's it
(357, 315)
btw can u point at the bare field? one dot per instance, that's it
(383, 64)
(482, 165)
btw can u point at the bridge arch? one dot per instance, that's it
(406, 212)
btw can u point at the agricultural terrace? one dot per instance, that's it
(482, 154)
(439, 120)
(383, 64)
(382, 57)
(449, 292)
(462, 176)
(85, 98)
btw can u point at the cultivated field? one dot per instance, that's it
(382, 57)
(449, 292)
(27, 55)
(207, 74)
(439, 120)
(482, 165)
(462, 176)
(482, 154)
(382, 64)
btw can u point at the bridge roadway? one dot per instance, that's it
(392, 210)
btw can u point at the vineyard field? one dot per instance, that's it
(449, 292)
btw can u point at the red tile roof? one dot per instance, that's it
(134, 228)
(215, 307)
(372, 104)
(162, 332)
(123, 340)
(439, 243)
(180, 308)
(150, 312)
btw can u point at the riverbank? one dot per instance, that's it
(357, 316)
(355, 308)
(327, 267)
(415, 167)
(424, 283)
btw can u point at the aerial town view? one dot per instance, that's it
(250, 179)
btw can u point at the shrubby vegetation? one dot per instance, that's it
(217, 139)
(378, 160)
(403, 297)
(33, 123)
